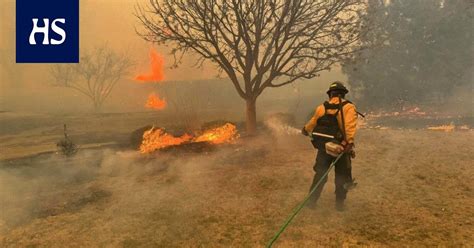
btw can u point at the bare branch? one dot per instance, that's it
(257, 43)
(96, 74)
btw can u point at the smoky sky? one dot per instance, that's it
(29, 87)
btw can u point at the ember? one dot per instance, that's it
(156, 138)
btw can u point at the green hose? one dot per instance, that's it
(298, 209)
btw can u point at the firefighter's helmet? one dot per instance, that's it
(337, 86)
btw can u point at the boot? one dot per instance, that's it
(350, 185)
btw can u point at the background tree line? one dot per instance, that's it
(421, 50)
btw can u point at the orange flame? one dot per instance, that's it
(409, 112)
(156, 139)
(224, 134)
(154, 102)
(446, 128)
(156, 64)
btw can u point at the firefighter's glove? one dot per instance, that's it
(304, 132)
(349, 149)
(352, 153)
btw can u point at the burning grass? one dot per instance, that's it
(450, 127)
(415, 118)
(446, 128)
(239, 197)
(157, 138)
(412, 112)
(219, 135)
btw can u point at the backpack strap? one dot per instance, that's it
(359, 113)
(326, 107)
(341, 105)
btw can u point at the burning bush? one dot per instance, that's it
(157, 138)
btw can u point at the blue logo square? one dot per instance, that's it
(47, 31)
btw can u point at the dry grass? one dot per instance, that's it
(415, 189)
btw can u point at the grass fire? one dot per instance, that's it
(216, 123)
(157, 138)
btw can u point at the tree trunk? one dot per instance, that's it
(251, 113)
(97, 106)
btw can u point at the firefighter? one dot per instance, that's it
(337, 118)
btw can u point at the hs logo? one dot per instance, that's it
(47, 31)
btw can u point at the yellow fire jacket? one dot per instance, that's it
(350, 118)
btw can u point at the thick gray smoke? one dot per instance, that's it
(52, 185)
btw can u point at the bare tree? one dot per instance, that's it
(95, 75)
(258, 44)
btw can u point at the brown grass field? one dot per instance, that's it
(415, 190)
